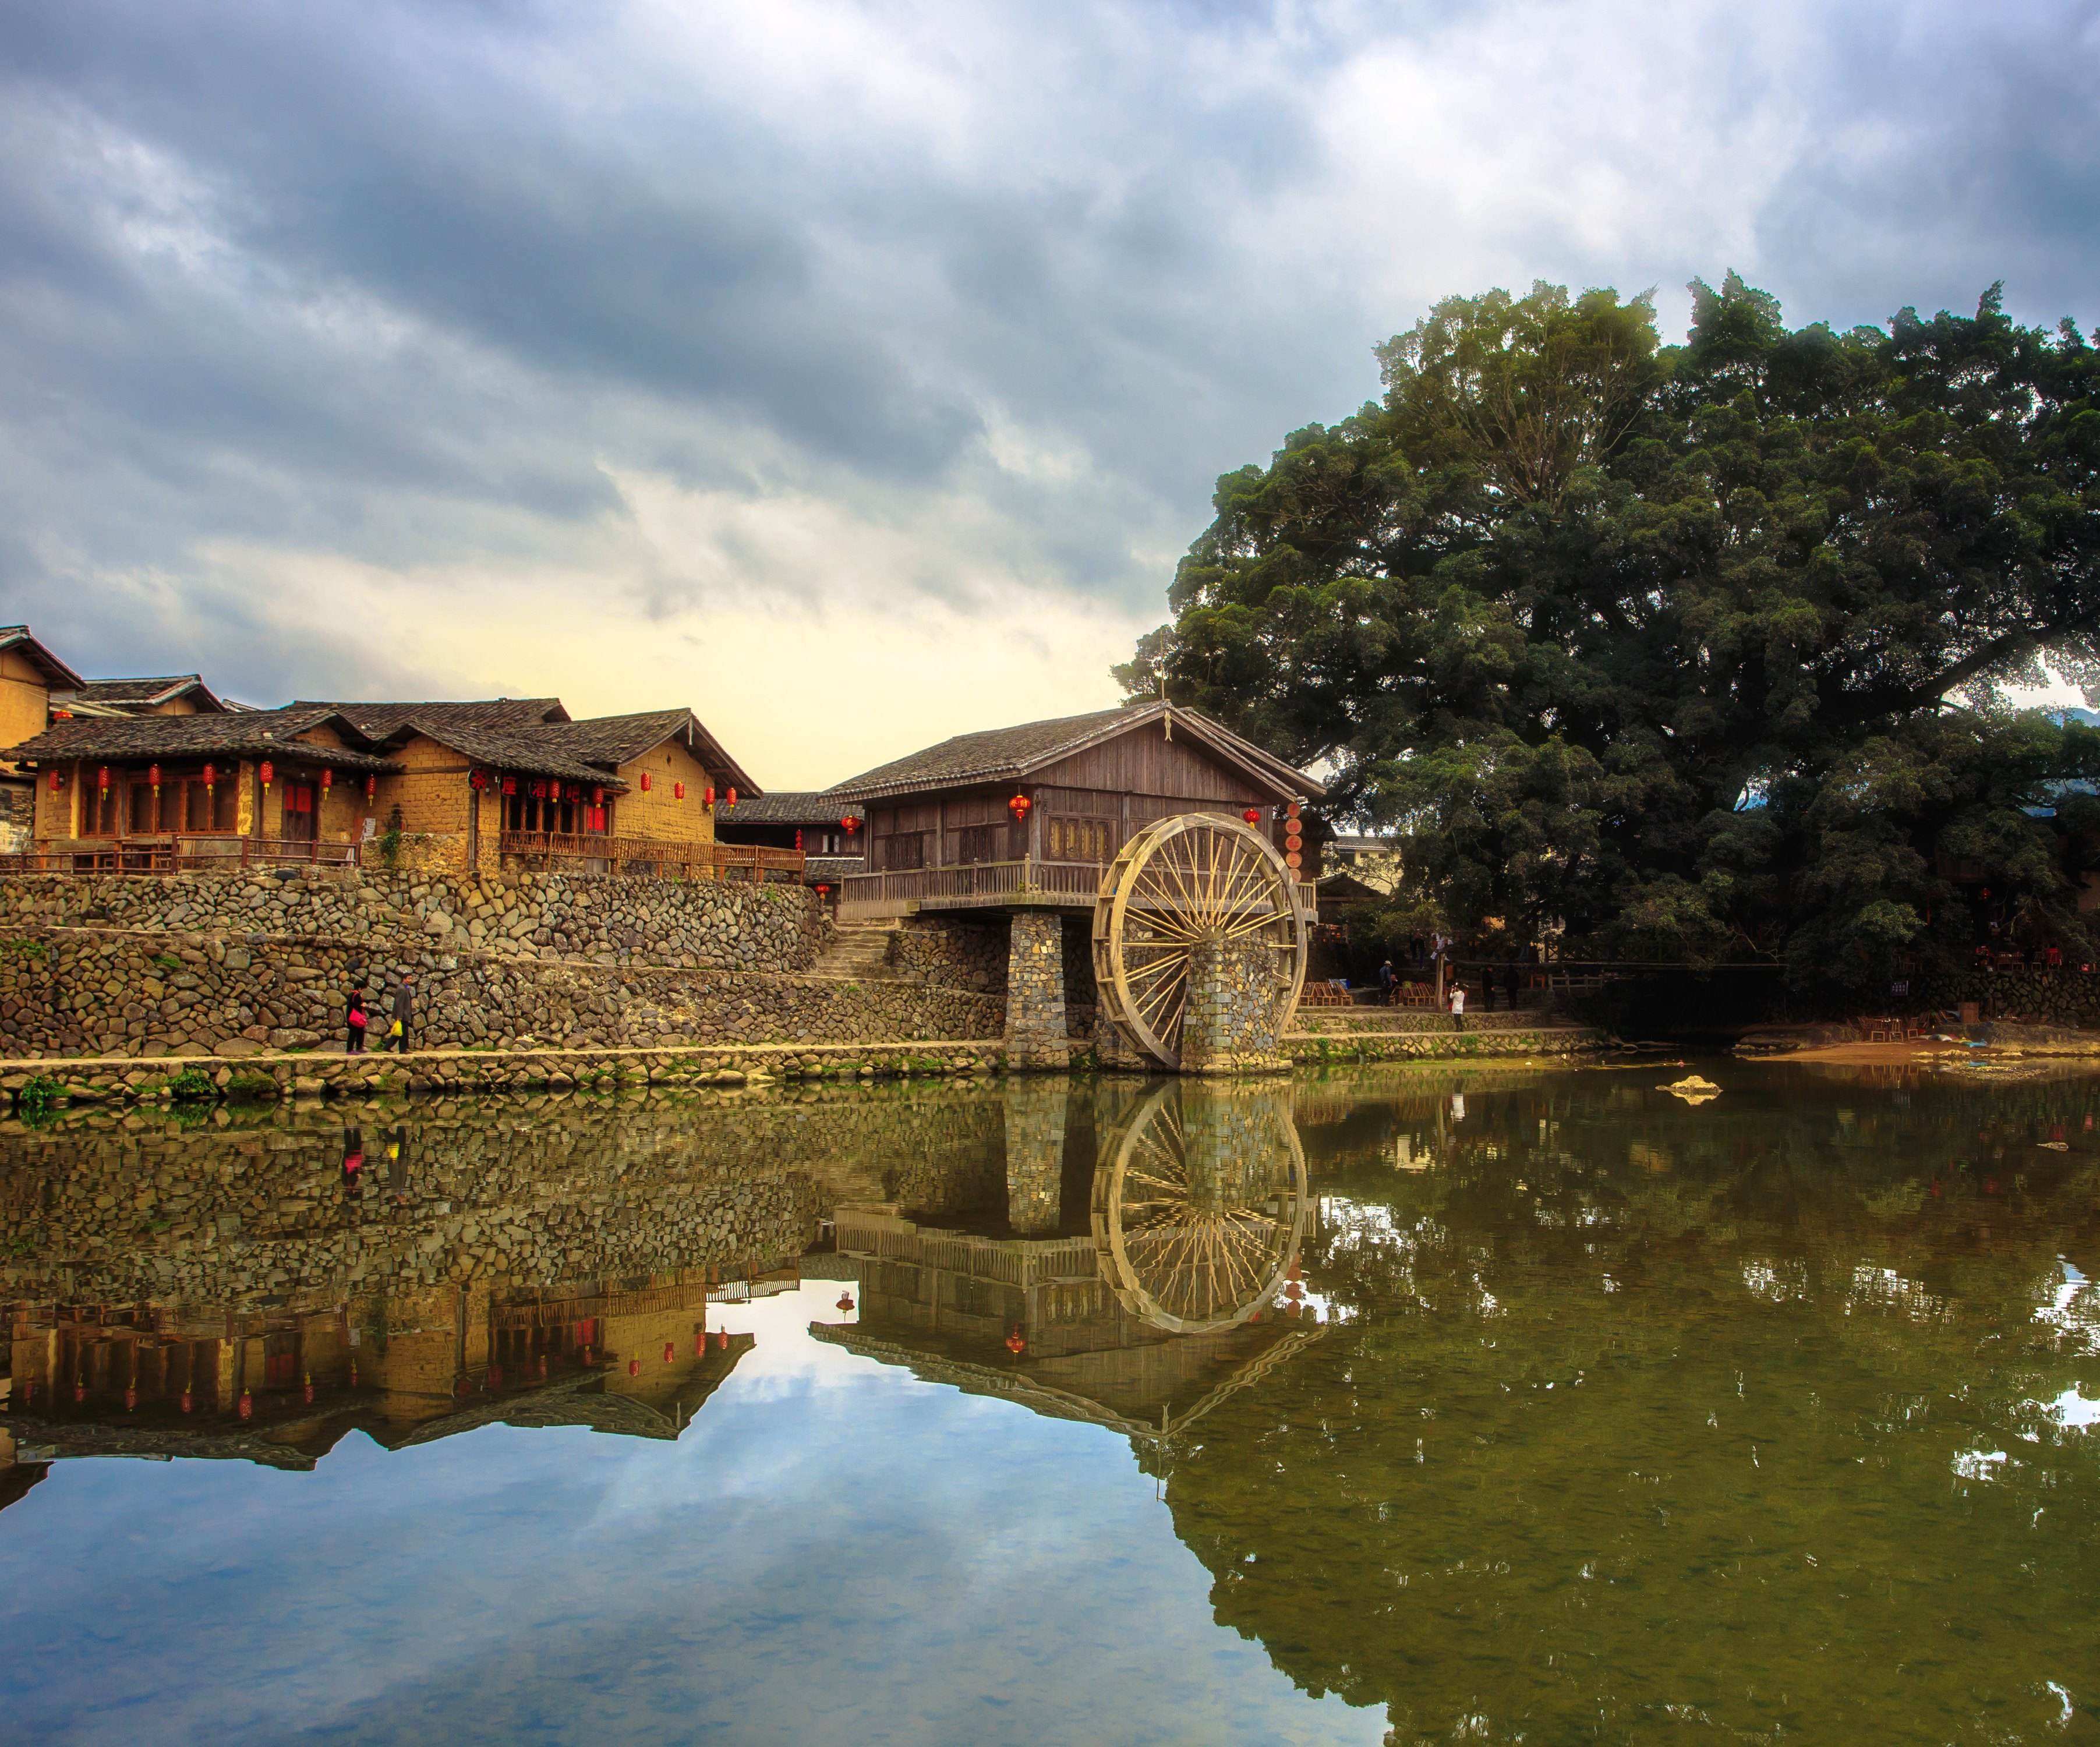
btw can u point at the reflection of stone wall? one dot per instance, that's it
(1230, 1024)
(624, 921)
(74, 991)
(1035, 1111)
(234, 1214)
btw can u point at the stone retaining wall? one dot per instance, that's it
(101, 992)
(953, 952)
(2046, 997)
(608, 920)
(1306, 1049)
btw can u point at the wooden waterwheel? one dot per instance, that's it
(1199, 1208)
(1192, 878)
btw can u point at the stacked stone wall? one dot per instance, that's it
(953, 952)
(608, 920)
(2046, 997)
(104, 991)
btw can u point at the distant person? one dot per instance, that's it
(1457, 1006)
(355, 1022)
(404, 1012)
(1387, 978)
(1511, 982)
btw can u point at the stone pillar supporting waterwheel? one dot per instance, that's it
(1198, 941)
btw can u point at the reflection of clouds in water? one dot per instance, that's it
(1980, 1464)
(2074, 1411)
(1884, 1289)
(2073, 1307)
(1778, 1282)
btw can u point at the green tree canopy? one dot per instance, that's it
(1697, 650)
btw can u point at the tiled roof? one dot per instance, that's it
(381, 721)
(143, 691)
(1004, 754)
(790, 807)
(19, 637)
(254, 734)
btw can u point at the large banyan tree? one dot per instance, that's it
(1699, 652)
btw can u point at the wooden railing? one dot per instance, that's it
(179, 852)
(609, 854)
(1076, 884)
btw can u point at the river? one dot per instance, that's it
(1391, 1405)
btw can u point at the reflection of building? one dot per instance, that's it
(282, 1388)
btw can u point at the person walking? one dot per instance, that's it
(1457, 1006)
(1387, 976)
(404, 1011)
(356, 1023)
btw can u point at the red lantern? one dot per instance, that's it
(57, 782)
(538, 791)
(1291, 811)
(647, 784)
(1252, 816)
(587, 1355)
(845, 1301)
(328, 781)
(306, 1389)
(668, 1352)
(131, 1398)
(575, 792)
(102, 783)
(731, 797)
(542, 1367)
(708, 797)
(1018, 807)
(823, 891)
(633, 1367)
(598, 797)
(80, 1390)
(677, 791)
(210, 778)
(245, 1407)
(798, 836)
(268, 772)
(153, 776)
(1016, 1343)
(478, 780)
(510, 785)
(371, 788)
(699, 1344)
(721, 1339)
(188, 1401)
(849, 824)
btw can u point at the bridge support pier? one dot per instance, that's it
(1229, 1025)
(1035, 1035)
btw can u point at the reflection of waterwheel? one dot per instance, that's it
(1187, 880)
(1199, 1210)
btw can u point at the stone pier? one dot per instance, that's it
(1035, 1036)
(1230, 1025)
(1035, 1110)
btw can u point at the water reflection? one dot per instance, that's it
(1512, 1406)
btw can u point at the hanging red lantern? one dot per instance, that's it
(131, 1398)
(102, 783)
(306, 1389)
(1018, 807)
(845, 1302)
(210, 778)
(721, 1339)
(268, 772)
(575, 792)
(371, 788)
(58, 782)
(731, 797)
(79, 1390)
(668, 1352)
(798, 836)
(699, 1344)
(1291, 811)
(538, 791)
(677, 791)
(633, 1367)
(154, 777)
(587, 1354)
(823, 891)
(541, 1368)
(188, 1401)
(478, 780)
(598, 797)
(245, 1406)
(849, 824)
(1015, 1343)
(708, 797)
(647, 784)
(1252, 816)
(328, 781)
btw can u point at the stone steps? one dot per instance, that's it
(861, 954)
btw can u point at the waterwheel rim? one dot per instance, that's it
(1183, 880)
(1182, 1248)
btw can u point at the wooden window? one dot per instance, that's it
(903, 851)
(1066, 839)
(98, 809)
(981, 843)
(142, 808)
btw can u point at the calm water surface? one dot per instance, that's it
(1386, 1407)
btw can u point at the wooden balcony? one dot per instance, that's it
(1027, 883)
(183, 851)
(588, 853)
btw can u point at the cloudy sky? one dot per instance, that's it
(855, 373)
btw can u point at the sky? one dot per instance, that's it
(856, 374)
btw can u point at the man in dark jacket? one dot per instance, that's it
(404, 1010)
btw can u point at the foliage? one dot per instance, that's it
(390, 839)
(192, 1086)
(40, 1095)
(1699, 651)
